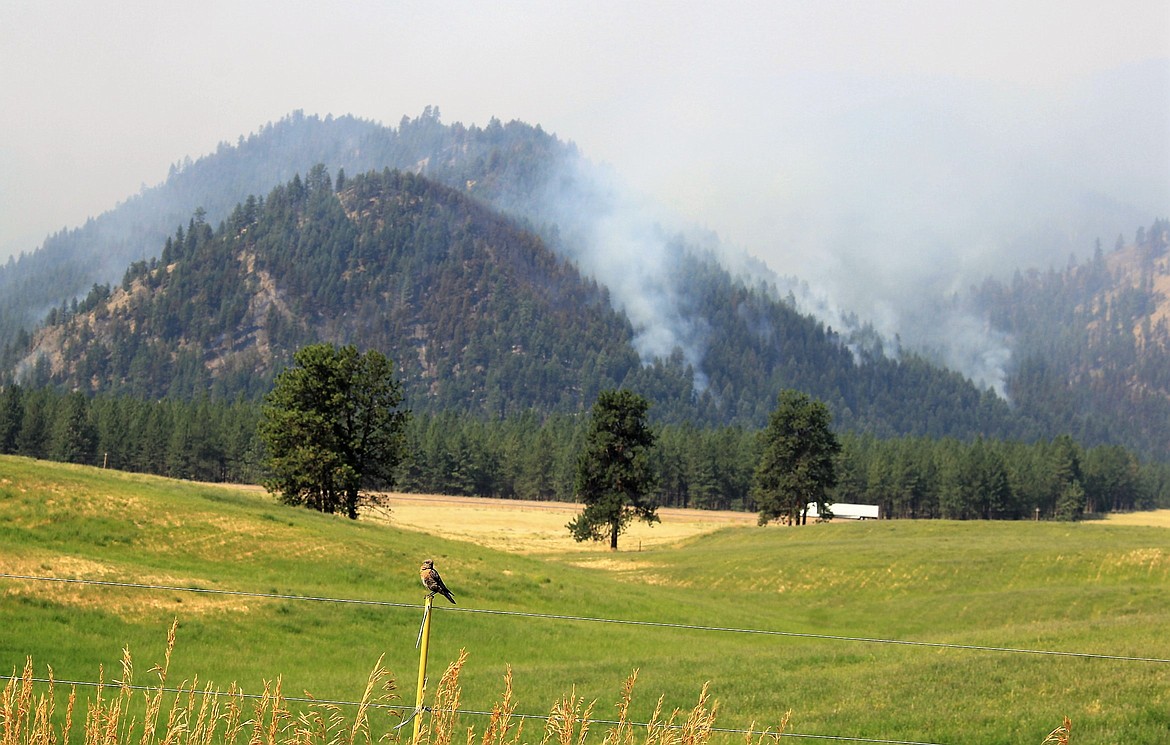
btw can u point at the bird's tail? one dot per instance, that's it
(450, 597)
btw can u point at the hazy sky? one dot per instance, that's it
(839, 141)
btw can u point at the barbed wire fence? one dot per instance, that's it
(590, 619)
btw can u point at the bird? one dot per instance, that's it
(433, 582)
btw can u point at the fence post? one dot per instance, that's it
(424, 642)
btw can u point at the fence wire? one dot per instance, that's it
(595, 619)
(546, 616)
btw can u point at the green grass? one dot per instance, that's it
(1088, 588)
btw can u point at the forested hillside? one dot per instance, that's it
(248, 277)
(464, 301)
(1092, 342)
(500, 162)
(478, 313)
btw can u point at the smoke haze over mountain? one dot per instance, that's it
(888, 155)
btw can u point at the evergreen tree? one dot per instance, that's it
(1070, 501)
(615, 478)
(798, 464)
(11, 415)
(1067, 481)
(74, 436)
(333, 426)
(536, 478)
(1111, 479)
(34, 437)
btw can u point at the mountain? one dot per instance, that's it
(1092, 342)
(499, 162)
(708, 337)
(477, 310)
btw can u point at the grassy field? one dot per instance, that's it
(1097, 587)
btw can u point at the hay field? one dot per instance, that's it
(1151, 519)
(528, 527)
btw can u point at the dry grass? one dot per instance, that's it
(204, 715)
(196, 715)
(570, 720)
(1152, 519)
(1060, 735)
(125, 604)
(539, 527)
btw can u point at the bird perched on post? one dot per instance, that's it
(432, 581)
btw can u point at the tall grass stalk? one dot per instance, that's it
(445, 711)
(206, 716)
(768, 736)
(568, 722)
(195, 715)
(622, 733)
(1060, 735)
(500, 724)
(27, 719)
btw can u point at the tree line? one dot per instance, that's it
(197, 440)
(528, 456)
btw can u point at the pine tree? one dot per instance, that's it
(798, 465)
(615, 478)
(1067, 481)
(333, 426)
(74, 436)
(11, 414)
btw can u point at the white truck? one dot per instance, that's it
(846, 511)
